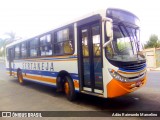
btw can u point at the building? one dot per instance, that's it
(152, 57)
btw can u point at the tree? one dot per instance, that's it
(153, 42)
(9, 37)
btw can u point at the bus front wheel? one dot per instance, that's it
(69, 89)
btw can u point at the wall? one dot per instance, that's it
(150, 57)
(157, 57)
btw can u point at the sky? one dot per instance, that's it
(28, 18)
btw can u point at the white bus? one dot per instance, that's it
(98, 54)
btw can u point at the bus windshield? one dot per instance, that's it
(125, 45)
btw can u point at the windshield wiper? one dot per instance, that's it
(135, 38)
(125, 33)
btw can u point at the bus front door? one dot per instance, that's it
(90, 58)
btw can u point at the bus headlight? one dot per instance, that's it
(117, 76)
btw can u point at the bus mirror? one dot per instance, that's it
(109, 32)
(109, 29)
(107, 43)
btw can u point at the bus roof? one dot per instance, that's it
(100, 12)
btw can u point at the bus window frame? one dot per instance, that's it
(46, 45)
(26, 43)
(37, 47)
(71, 37)
(19, 44)
(53, 42)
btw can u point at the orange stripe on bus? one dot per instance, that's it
(44, 79)
(131, 72)
(50, 60)
(50, 80)
(54, 60)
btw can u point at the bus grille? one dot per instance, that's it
(136, 66)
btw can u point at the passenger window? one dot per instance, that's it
(17, 51)
(63, 43)
(33, 45)
(8, 53)
(24, 50)
(63, 35)
(45, 45)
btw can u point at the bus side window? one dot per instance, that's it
(68, 47)
(63, 43)
(10, 54)
(7, 54)
(12, 57)
(33, 47)
(24, 50)
(45, 45)
(17, 51)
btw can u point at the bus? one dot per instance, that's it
(98, 54)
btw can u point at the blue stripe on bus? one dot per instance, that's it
(46, 84)
(122, 69)
(48, 73)
(45, 73)
(38, 72)
(60, 58)
(39, 82)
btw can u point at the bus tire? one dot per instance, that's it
(69, 89)
(20, 77)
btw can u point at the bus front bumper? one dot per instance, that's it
(116, 88)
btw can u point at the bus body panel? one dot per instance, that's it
(45, 69)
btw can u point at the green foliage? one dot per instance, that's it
(10, 37)
(121, 45)
(153, 42)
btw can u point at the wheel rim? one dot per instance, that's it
(66, 88)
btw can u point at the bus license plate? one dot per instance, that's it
(138, 83)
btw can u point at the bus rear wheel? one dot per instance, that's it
(69, 89)
(20, 77)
